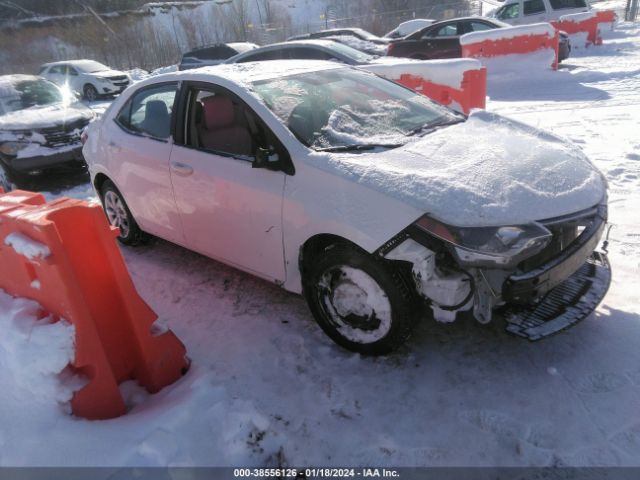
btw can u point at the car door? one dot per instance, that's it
(510, 14)
(444, 41)
(229, 210)
(139, 144)
(73, 79)
(56, 74)
(533, 11)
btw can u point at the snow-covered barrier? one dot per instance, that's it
(583, 28)
(535, 46)
(458, 83)
(607, 20)
(63, 255)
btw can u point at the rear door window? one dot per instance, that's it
(532, 7)
(479, 27)
(148, 112)
(261, 56)
(563, 4)
(449, 30)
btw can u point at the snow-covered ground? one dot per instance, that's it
(268, 388)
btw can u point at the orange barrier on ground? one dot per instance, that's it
(608, 18)
(580, 23)
(77, 273)
(510, 41)
(459, 83)
(471, 94)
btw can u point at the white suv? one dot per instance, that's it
(366, 197)
(88, 77)
(522, 12)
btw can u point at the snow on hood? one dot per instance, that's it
(489, 170)
(108, 73)
(44, 116)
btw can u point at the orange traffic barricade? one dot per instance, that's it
(63, 255)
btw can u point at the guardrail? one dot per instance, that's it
(63, 255)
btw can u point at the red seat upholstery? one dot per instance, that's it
(219, 131)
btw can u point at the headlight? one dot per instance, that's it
(12, 148)
(504, 246)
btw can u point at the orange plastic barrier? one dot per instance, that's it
(516, 44)
(607, 18)
(84, 280)
(574, 24)
(472, 93)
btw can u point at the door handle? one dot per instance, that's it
(181, 169)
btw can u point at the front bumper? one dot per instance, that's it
(524, 288)
(41, 162)
(564, 306)
(112, 89)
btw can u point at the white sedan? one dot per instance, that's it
(369, 199)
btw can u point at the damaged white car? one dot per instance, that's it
(369, 199)
(40, 128)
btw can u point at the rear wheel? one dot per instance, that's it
(120, 216)
(361, 302)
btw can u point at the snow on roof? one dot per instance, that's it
(254, 71)
(508, 32)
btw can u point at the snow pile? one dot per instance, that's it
(442, 72)
(27, 247)
(508, 33)
(486, 171)
(34, 352)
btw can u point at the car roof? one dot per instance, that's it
(243, 73)
(70, 62)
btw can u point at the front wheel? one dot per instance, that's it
(90, 93)
(120, 216)
(361, 302)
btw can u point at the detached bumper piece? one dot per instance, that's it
(565, 305)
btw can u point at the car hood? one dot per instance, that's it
(489, 170)
(46, 116)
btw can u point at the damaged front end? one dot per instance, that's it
(545, 275)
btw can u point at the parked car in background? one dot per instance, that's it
(353, 37)
(90, 78)
(305, 50)
(522, 12)
(40, 128)
(213, 54)
(442, 39)
(409, 27)
(371, 201)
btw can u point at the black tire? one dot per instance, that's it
(119, 215)
(90, 93)
(329, 277)
(6, 179)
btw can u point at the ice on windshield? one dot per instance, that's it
(347, 107)
(27, 94)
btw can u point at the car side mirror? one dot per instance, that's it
(266, 158)
(270, 159)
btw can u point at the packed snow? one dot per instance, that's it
(486, 171)
(268, 388)
(26, 246)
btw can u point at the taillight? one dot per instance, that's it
(390, 48)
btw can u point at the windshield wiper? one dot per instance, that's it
(359, 147)
(432, 126)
